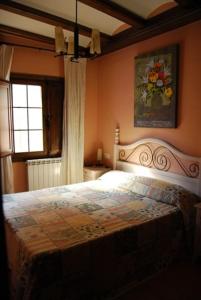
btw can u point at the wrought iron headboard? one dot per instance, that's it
(162, 160)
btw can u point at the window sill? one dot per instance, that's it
(23, 158)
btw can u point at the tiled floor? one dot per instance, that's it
(181, 281)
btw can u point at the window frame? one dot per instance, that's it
(28, 79)
(29, 154)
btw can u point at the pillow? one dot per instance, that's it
(118, 179)
(155, 189)
(163, 191)
(171, 194)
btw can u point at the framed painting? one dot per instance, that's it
(156, 88)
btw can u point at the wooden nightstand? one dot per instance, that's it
(197, 245)
(92, 173)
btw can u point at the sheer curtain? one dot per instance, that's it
(6, 55)
(73, 121)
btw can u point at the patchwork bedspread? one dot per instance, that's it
(85, 240)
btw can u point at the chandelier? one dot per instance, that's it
(71, 47)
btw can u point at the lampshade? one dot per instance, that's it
(95, 47)
(70, 50)
(60, 45)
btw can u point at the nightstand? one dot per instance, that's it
(92, 173)
(197, 245)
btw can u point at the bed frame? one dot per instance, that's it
(155, 158)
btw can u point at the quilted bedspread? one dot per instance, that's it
(84, 240)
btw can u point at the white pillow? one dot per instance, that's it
(118, 179)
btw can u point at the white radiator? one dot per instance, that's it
(43, 173)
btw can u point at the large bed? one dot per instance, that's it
(94, 239)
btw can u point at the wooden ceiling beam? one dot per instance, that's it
(25, 34)
(170, 20)
(45, 17)
(116, 11)
(6, 31)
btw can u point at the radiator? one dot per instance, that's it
(43, 173)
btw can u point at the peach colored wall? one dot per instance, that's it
(116, 92)
(110, 81)
(44, 63)
(32, 61)
(91, 113)
(20, 177)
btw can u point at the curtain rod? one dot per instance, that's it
(30, 47)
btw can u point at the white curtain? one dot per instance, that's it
(7, 175)
(73, 121)
(6, 55)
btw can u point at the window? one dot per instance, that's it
(37, 106)
(27, 118)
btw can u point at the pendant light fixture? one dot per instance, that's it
(72, 47)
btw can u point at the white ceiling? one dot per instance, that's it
(87, 16)
(142, 8)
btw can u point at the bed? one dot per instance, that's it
(94, 239)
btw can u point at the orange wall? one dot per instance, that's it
(20, 177)
(110, 94)
(38, 62)
(44, 63)
(91, 113)
(116, 92)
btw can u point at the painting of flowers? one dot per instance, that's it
(156, 88)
